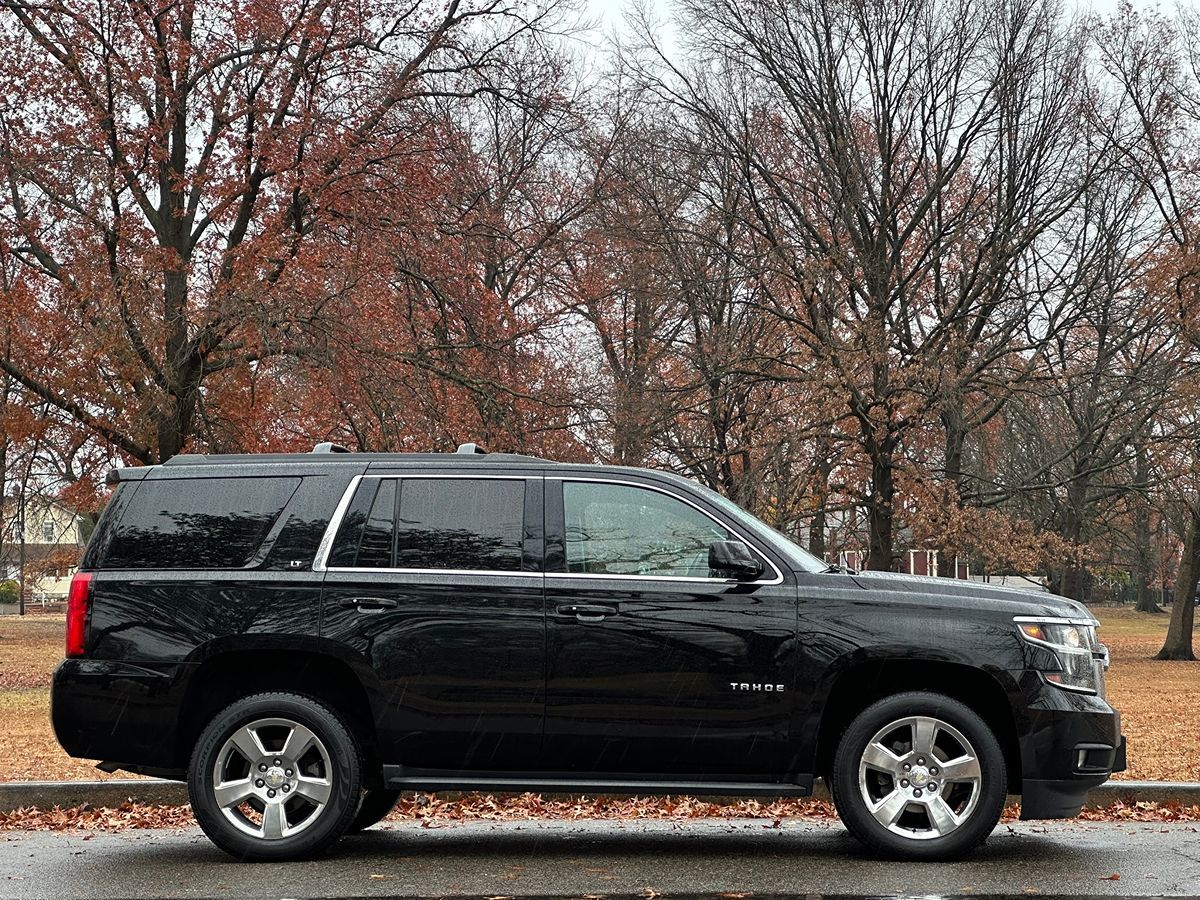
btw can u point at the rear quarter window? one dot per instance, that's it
(101, 535)
(197, 523)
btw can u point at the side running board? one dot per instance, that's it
(408, 778)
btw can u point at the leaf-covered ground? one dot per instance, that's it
(1159, 702)
(435, 812)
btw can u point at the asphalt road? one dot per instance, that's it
(562, 859)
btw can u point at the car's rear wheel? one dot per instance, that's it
(374, 808)
(919, 776)
(275, 777)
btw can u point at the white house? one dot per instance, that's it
(44, 537)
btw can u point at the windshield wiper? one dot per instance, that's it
(835, 569)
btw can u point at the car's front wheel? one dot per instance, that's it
(919, 776)
(275, 777)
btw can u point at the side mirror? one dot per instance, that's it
(735, 558)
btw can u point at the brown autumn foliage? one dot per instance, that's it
(87, 818)
(432, 811)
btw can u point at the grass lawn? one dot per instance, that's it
(30, 648)
(1159, 701)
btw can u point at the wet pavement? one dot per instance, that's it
(700, 858)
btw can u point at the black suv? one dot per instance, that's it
(302, 637)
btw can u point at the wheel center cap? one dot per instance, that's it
(274, 777)
(918, 776)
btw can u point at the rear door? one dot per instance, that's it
(434, 583)
(656, 664)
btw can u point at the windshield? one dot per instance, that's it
(796, 555)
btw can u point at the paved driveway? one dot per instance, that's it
(561, 859)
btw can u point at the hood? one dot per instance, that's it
(974, 594)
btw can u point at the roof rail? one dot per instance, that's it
(471, 448)
(329, 447)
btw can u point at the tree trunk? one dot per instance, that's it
(1074, 580)
(817, 537)
(952, 421)
(1143, 549)
(182, 369)
(881, 517)
(1144, 600)
(1178, 644)
(21, 510)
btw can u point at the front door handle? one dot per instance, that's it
(369, 604)
(588, 613)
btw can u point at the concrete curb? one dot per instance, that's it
(1185, 792)
(66, 794)
(48, 794)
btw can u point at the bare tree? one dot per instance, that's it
(903, 163)
(1156, 64)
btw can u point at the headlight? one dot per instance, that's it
(1074, 644)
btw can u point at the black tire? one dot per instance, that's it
(332, 762)
(926, 842)
(374, 807)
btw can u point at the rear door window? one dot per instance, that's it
(366, 537)
(467, 523)
(474, 524)
(197, 523)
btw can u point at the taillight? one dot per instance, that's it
(78, 600)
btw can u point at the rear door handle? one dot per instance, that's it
(587, 612)
(369, 604)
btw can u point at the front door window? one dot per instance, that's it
(615, 529)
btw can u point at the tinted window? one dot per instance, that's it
(197, 523)
(308, 514)
(614, 529)
(375, 548)
(106, 526)
(367, 532)
(451, 523)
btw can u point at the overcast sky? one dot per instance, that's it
(609, 12)
(609, 16)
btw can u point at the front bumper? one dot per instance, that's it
(1070, 743)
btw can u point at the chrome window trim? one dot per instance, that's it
(321, 562)
(335, 522)
(778, 579)
(675, 578)
(506, 573)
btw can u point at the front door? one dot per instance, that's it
(656, 664)
(434, 585)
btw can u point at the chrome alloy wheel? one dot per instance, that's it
(272, 778)
(920, 777)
